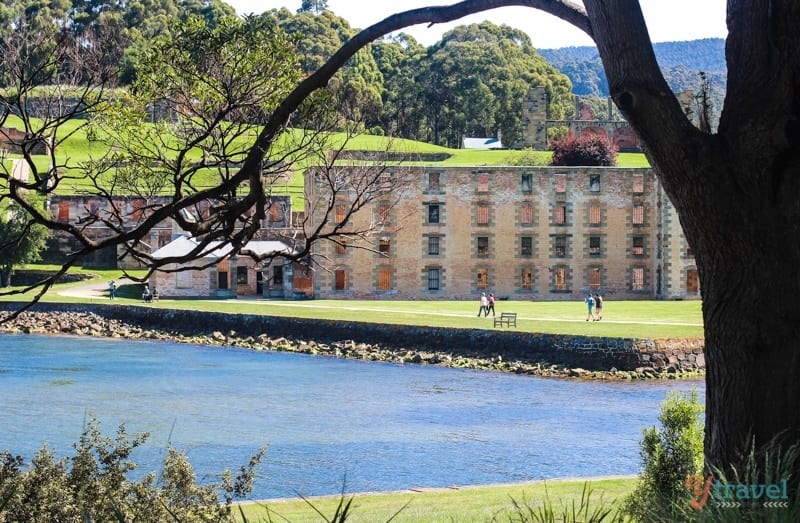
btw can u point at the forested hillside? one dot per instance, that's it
(680, 61)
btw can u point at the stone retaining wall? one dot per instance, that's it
(506, 350)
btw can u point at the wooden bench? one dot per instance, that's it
(509, 319)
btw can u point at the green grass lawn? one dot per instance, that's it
(628, 319)
(462, 505)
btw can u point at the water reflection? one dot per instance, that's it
(382, 426)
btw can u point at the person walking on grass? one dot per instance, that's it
(590, 306)
(490, 307)
(484, 308)
(598, 307)
(112, 290)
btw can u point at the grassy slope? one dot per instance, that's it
(635, 319)
(77, 148)
(464, 505)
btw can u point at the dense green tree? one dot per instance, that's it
(125, 27)
(398, 58)
(21, 241)
(474, 80)
(316, 6)
(359, 84)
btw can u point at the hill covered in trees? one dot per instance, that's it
(680, 62)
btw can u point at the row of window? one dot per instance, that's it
(435, 183)
(559, 281)
(561, 214)
(560, 246)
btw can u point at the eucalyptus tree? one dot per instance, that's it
(475, 79)
(398, 58)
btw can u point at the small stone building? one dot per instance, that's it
(215, 274)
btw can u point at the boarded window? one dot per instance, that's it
(594, 246)
(560, 215)
(433, 246)
(433, 213)
(526, 246)
(594, 215)
(433, 279)
(526, 279)
(638, 183)
(483, 182)
(383, 213)
(637, 278)
(483, 245)
(692, 281)
(384, 246)
(384, 279)
(483, 279)
(526, 214)
(560, 278)
(434, 182)
(561, 183)
(560, 246)
(276, 212)
(594, 279)
(138, 209)
(638, 246)
(638, 214)
(483, 214)
(339, 280)
(340, 213)
(63, 211)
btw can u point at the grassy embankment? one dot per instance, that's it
(75, 148)
(478, 504)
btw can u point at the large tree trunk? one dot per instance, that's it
(738, 197)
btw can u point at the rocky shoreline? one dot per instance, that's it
(93, 324)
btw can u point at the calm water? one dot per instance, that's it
(377, 426)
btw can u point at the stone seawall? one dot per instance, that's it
(503, 350)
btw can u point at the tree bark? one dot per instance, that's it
(737, 194)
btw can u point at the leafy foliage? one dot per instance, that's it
(21, 241)
(586, 149)
(94, 485)
(669, 455)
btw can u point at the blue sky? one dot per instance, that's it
(667, 20)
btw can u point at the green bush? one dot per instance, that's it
(669, 455)
(93, 486)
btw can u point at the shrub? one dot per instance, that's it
(93, 485)
(669, 455)
(586, 149)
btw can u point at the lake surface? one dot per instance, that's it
(374, 426)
